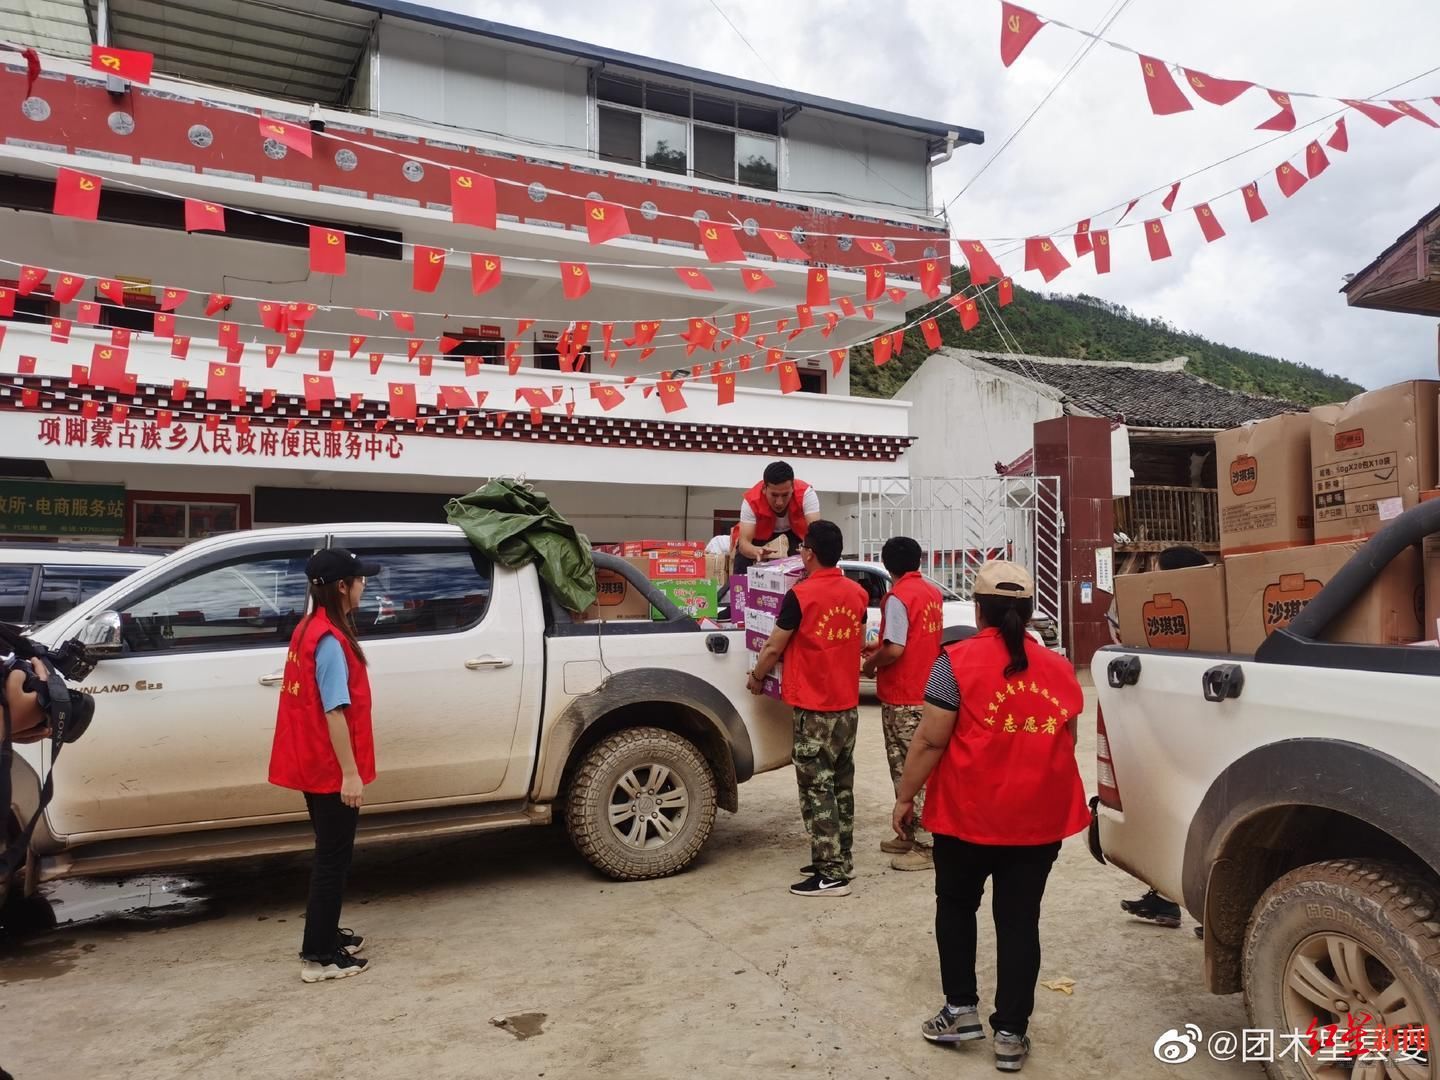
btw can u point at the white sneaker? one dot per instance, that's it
(340, 966)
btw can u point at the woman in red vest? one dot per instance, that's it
(324, 748)
(996, 754)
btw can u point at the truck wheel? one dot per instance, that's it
(642, 804)
(1334, 943)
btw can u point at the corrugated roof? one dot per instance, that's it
(1161, 395)
(57, 26)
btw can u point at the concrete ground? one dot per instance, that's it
(718, 972)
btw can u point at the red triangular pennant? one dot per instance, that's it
(1339, 140)
(1215, 91)
(695, 279)
(1165, 96)
(1169, 201)
(1315, 160)
(1041, 254)
(429, 268)
(1284, 120)
(1381, 115)
(755, 280)
(1289, 178)
(982, 266)
(783, 245)
(1017, 28)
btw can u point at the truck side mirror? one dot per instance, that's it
(101, 636)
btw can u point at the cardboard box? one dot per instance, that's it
(1266, 502)
(683, 567)
(772, 683)
(1430, 557)
(633, 548)
(1265, 591)
(763, 600)
(717, 568)
(1372, 457)
(698, 599)
(738, 597)
(777, 576)
(616, 598)
(1182, 610)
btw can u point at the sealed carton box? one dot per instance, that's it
(616, 598)
(776, 576)
(1182, 610)
(1265, 485)
(1265, 591)
(772, 683)
(684, 567)
(1372, 457)
(696, 598)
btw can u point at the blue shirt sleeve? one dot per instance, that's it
(332, 673)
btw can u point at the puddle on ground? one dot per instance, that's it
(78, 902)
(522, 1025)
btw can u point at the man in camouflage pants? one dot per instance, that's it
(820, 632)
(899, 723)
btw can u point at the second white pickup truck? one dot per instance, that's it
(1291, 802)
(494, 707)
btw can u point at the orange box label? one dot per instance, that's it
(1286, 599)
(1167, 623)
(1244, 475)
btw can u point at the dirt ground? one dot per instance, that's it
(717, 972)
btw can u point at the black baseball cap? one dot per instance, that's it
(329, 565)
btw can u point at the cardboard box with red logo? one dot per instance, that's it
(1372, 457)
(1182, 610)
(616, 598)
(1266, 590)
(681, 567)
(1265, 485)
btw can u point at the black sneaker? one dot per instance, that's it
(1011, 1051)
(340, 966)
(960, 1025)
(351, 942)
(1154, 908)
(820, 885)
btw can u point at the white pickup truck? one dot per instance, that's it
(1290, 802)
(494, 707)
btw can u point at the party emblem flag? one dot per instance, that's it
(1415, 114)
(357, 342)
(295, 136)
(272, 354)
(222, 382)
(294, 337)
(472, 199)
(881, 348)
(107, 367)
(29, 399)
(1381, 115)
(180, 347)
(605, 221)
(204, 216)
(574, 280)
(1209, 223)
(725, 389)
(804, 316)
(272, 316)
(896, 294)
(1254, 205)
(1041, 254)
(318, 390)
(60, 331)
(755, 280)
(789, 377)
(164, 326)
(1083, 246)
(111, 290)
(720, 242)
(1156, 239)
(77, 195)
(413, 347)
(1004, 292)
(88, 314)
(869, 310)
(216, 303)
(67, 286)
(227, 334)
(402, 401)
(128, 64)
(1102, 250)
(670, 396)
(1215, 91)
(1340, 138)
(7, 304)
(485, 272)
(455, 397)
(429, 268)
(120, 336)
(817, 288)
(931, 329)
(1017, 27)
(1289, 178)
(1284, 120)
(31, 278)
(875, 249)
(968, 310)
(376, 359)
(837, 360)
(931, 276)
(171, 299)
(1169, 201)
(1165, 96)
(874, 282)
(327, 251)
(403, 320)
(782, 244)
(427, 365)
(1315, 160)
(982, 266)
(695, 279)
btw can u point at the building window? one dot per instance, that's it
(673, 130)
(490, 350)
(812, 382)
(159, 520)
(32, 308)
(547, 357)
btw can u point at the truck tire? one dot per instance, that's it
(641, 805)
(1340, 939)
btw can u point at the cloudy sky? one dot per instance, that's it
(1272, 286)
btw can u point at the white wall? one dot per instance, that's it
(966, 419)
(468, 82)
(827, 154)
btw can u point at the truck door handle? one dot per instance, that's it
(1222, 682)
(272, 680)
(1123, 671)
(477, 662)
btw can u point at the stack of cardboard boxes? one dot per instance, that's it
(755, 601)
(1299, 494)
(679, 568)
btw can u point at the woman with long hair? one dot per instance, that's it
(995, 752)
(324, 748)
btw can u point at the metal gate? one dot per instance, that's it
(962, 522)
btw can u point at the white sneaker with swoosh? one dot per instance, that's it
(820, 885)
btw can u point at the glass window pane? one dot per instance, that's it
(210, 519)
(424, 592)
(159, 521)
(62, 589)
(673, 102)
(248, 603)
(714, 153)
(757, 163)
(14, 592)
(620, 91)
(765, 121)
(665, 145)
(620, 136)
(714, 111)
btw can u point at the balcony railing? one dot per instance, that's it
(1154, 518)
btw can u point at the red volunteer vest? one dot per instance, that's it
(1009, 775)
(903, 682)
(765, 517)
(301, 756)
(822, 661)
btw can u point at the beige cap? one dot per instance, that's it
(1001, 578)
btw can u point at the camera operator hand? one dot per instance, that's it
(27, 716)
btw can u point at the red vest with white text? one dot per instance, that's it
(903, 682)
(822, 660)
(765, 518)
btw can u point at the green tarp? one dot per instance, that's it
(515, 525)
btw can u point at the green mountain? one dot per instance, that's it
(1086, 327)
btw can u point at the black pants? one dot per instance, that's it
(1019, 875)
(334, 825)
